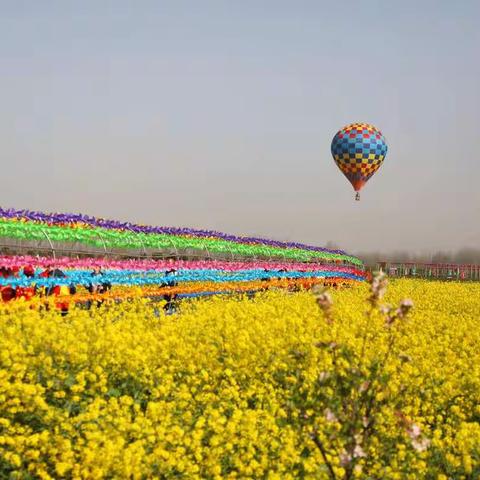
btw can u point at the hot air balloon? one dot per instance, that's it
(358, 150)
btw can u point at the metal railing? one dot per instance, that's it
(54, 249)
(440, 271)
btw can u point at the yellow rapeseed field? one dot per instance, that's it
(280, 386)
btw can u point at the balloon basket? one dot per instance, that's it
(357, 196)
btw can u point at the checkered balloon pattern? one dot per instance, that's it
(359, 150)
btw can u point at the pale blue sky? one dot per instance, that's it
(220, 114)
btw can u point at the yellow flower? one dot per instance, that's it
(216, 390)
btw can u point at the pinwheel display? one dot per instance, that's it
(253, 263)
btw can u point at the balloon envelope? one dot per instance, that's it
(358, 150)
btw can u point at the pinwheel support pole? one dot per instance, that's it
(50, 243)
(103, 242)
(174, 246)
(231, 253)
(204, 246)
(141, 241)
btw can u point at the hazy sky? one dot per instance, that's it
(220, 114)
